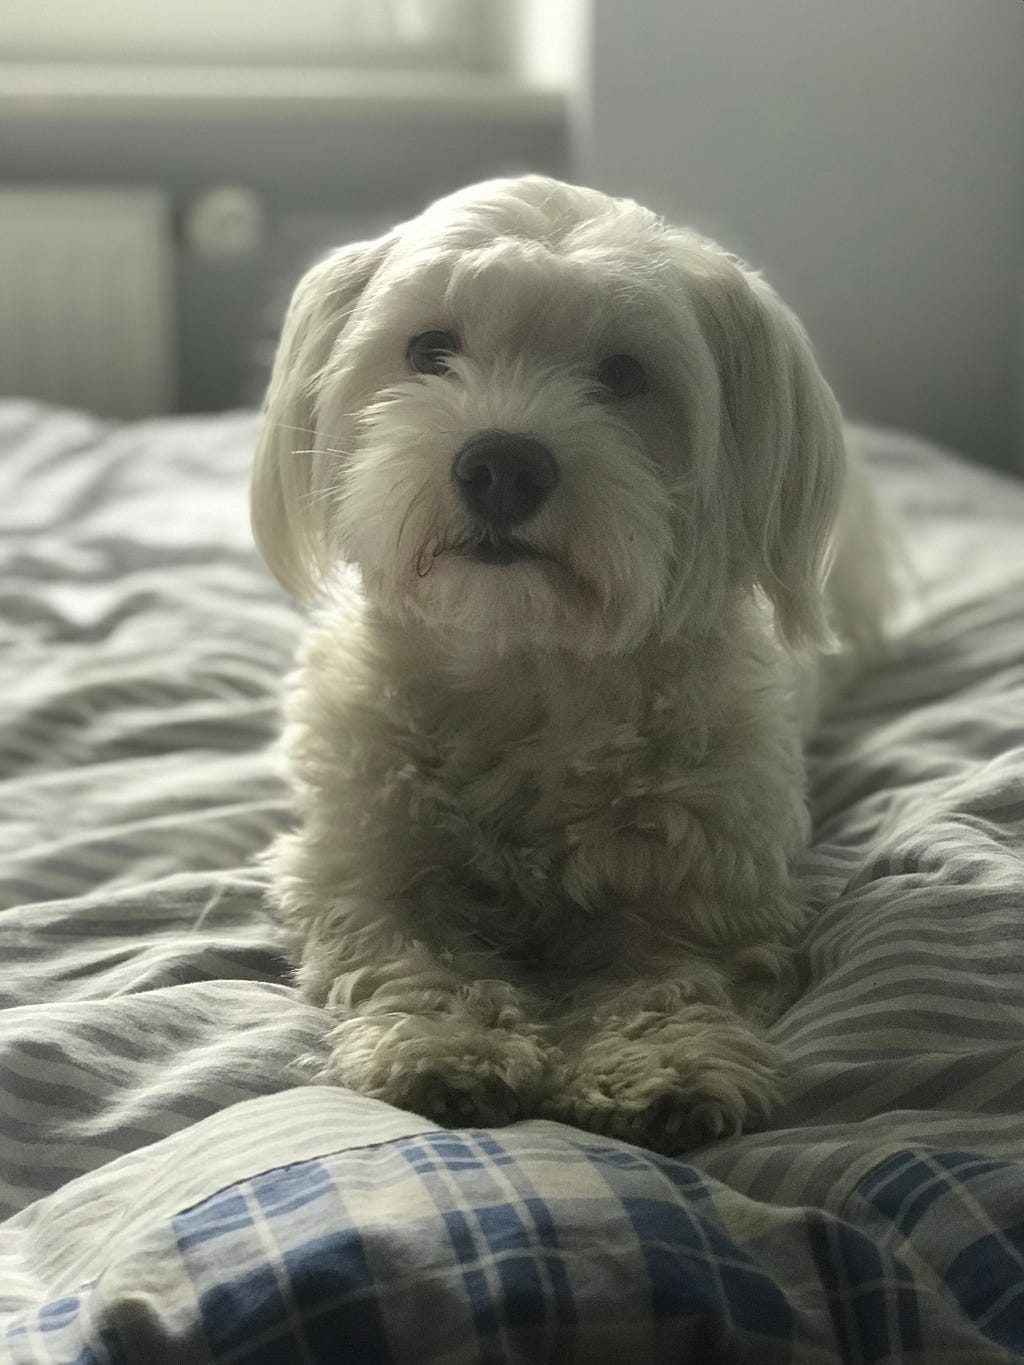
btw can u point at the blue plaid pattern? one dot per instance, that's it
(983, 1265)
(530, 1245)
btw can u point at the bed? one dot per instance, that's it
(174, 1183)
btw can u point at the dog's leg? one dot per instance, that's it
(667, 1064)
(421, 1034)
(665, 1047)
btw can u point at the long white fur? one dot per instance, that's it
(546, 809)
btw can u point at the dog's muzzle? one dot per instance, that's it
(503, 479)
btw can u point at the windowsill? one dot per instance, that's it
(29, 91)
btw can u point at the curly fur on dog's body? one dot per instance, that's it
(548, 805)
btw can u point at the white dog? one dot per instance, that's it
(547, 759)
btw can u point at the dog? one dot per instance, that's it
(576, 513)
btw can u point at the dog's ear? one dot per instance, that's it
(288, 521)
(781, 438)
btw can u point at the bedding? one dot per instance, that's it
(174, 1183)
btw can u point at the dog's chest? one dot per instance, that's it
(502, 822)
(516, 806)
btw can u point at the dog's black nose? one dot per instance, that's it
(504, 478)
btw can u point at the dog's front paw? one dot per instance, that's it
(671, 1083)
(456, 1072)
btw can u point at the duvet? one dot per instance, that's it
(175, 1185)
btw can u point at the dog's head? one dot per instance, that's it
(538, 416)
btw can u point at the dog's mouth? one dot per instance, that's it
(496, 551)
(500, 550)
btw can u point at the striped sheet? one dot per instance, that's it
(150, 1046)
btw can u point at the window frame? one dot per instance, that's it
(358, 35)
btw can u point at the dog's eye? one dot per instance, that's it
(428, 353)
(623, 376)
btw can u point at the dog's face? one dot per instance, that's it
(537, 417)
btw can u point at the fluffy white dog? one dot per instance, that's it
(547, 757)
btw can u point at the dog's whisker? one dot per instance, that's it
(300, 431)
(435, 546)
(307, 431)
(290, 426)
(415, 502)
(325, 450)
(316, 496)
(422, 565)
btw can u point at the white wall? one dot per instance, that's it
(869, 156)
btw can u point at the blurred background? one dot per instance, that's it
(167, 171)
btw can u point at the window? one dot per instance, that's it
(400, 34)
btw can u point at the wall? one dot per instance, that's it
(869, 156)
(325, 175)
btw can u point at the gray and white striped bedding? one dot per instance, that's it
(149, 1039)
